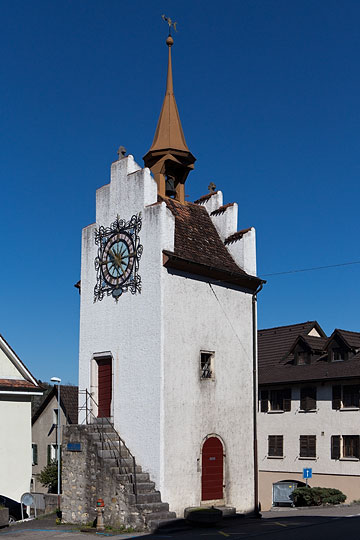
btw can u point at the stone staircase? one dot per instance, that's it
(140, 492)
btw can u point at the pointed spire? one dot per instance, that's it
(169, 157)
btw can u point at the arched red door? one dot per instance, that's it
(212, 477)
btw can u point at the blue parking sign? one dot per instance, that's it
(307, 473)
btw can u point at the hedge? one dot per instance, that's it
(306, 496)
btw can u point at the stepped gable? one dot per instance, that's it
(275, 343)
(236, 236)
(197, 240)
(204, 198)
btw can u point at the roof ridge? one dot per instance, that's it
(287, 326)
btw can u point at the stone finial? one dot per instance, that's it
(121, 152)
(212, 187)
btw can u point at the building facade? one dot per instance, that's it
(168, 291)
(17, 386)
(309, 407)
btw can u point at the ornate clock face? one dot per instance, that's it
(117, 261)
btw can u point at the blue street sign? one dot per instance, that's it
(307, 473)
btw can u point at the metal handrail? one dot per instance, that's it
(88, 406)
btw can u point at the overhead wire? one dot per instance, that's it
(310, 269)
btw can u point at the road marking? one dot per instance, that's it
(224, 534)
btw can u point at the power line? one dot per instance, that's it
(310, 269)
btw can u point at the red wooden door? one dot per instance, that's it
(212, 469)
(104, 387)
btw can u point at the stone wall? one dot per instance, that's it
(86, 478)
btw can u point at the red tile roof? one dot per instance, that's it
(18, 384)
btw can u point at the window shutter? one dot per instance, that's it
(312, 446)
(303, 446)
(48, 453)
(302, 400)
(287, 399)
(356, 446)
(264, 401)
(272, 446)
(35, 454)
(335, 447)
(311, 399)
(336, 397)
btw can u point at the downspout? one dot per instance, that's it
(255, 401)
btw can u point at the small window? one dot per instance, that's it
(280, 400)
(55, 416)
(34, 454)
(338, 355)
(351, 395)
(302, 357)
(308, 398)
(351, 446)
(206, 365)
(276, 446)
(308, 446)
(52, 452)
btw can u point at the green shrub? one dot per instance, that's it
(49, 476)
(305, 496)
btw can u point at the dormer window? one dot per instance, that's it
(302, 357)
(338, 355)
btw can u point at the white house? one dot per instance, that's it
(167, 324)
(17, 385)
(309, 389)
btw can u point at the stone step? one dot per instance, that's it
(150, 497)
(142, 487)
(96, 435)
(114, 453)
(125, 468)
(153, 521)
(140, 477)
(152, 507)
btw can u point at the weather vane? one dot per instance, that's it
(170, 23)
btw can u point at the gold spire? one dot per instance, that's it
(169, 157)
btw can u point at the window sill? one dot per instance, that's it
(309, 411)
(308, 458)
(349, 409)
(349, 459)
(275, 412)
(275, 457)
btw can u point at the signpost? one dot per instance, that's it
(307, 473)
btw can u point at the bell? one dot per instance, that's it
(170, 190)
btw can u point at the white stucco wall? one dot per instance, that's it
(195, 320)
(324, 422)
(8, 370)
(15, 447)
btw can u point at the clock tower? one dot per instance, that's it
(167, 324)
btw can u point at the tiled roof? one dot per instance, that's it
(18, 384)
(69, 402)
(274, 343)
(275, 364)
(205, 198)
(221, 209)
(236, 236)
(197, 240)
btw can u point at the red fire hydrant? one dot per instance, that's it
(100, 515)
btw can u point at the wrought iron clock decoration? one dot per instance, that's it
(117, 261)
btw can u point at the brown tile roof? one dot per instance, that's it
(275, 364)
(275, 343)
(197, 240)
(205, 198)
(236, 236)
(18, 384)
(69, 402)
(221, 209)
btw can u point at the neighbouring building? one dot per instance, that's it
(167, 326)
(44, 428)
(17, 386)
(309, 409)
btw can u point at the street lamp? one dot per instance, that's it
(57, 381)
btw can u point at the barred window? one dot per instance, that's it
(206, 365)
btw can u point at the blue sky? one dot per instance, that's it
(268, 94)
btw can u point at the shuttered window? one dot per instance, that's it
(308, 446)
(336, 397)
(280, 400)
(350, 396)
(308, 398)
(276, 445)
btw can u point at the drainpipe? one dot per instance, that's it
(255, 400)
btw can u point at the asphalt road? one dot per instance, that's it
(313, 524)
